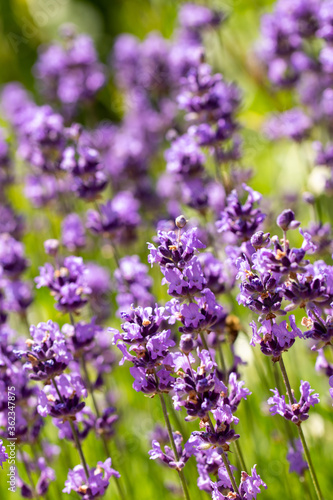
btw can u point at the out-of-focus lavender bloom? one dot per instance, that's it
(196, 17)
(297, 411)
(322, 364)
(105, 424)
(295, 458)
(41, 189)
(3, 454)
(292, 124)
(98, 279)
(97, 483)
(84, 422)
(184, 158)
(72, 232)
(331, 386)
(12, 259)
(118, 218)
(71, 73)
(10, 222)
(133, 284)
(217, 279)
(18, 296)
(321, 236)
(42, 140)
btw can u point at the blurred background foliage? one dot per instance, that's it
(280, 171)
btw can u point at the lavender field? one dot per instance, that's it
(166, 277)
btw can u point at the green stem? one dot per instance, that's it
(230, 474)
(222, 361)
(239, 455)
(98, 414)
(75, 436)
(286, 381)
(204, 343)
(173, 446)
(300, 432)
(309, 460)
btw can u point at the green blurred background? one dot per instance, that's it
(279, 170)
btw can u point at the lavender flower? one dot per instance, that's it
(167, 456)
(72, 74)
(67, 284)
(73, 234)
(49, 354)
(295, 458)
(297, 412)
(133, 284)
(118, 218)
(241, 220)
(96, 484)
(65, 404)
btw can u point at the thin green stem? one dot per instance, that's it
(287, 424)
(286, 380)
(239, 455)
(173, 446)
(309, 460)
(222, 361)
(98, 414)
(229, 471)
(204, 343)
(75, 436)
(300, 433)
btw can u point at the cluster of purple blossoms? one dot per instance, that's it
(176, 256)
(67, 283)
(70, 73)
(210, 104)
(206, 392)
(93, 486)
(242, 220)
(49, 354)
(147, 345)
(249, 486)
(15, 294)
(296, 48)
(296, 411)
(73, 235)
(117, 219)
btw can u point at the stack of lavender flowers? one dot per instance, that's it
(147, 259)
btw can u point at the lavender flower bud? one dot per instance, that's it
(186, 344)
(286, 220)
(181, 221)
(260, 240)
(51, 247)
